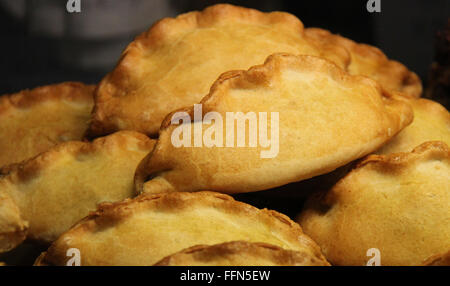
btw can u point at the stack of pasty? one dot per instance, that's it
(236, 101)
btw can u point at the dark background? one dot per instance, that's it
(41, 43)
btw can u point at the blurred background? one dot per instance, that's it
(42, 43)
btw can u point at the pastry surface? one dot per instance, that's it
(397, 203)
(174, 63)
(13, 229)
(431, 123)
(33, 121)
(438, 260)
(144, 230)
(59, 187)
(326, 119)
(241, 253)
(372, 62)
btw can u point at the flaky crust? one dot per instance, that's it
(431, 123)
(438, 260)
(143, 230)
(33, 121)
(13, 228)
(372, 62)
(311, 139)
(174, 63)
(241, 253)
(59, 187)
(396, 203)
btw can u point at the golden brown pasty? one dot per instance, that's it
(33, 121)
(12, 227)
(144, 230)
(431, 123)
(173, 64)
(370, 61)
(59, 187)
(241, 253)
(397, 203)
(314, 116)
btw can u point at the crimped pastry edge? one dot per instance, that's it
(422, 152)
(259, 74)
(386, 163)
(288, 257)
(116, 82)
(71, 91)
(432, 108)
(411, 83)
(109, 214)
(31, 167)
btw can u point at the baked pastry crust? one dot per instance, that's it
(33, 121)
(143, 230)
(431, 123)
(241, 253)
(317, 133)
(59, 187)
(397, 203)
(372, 62)
(173, 64)
(13, 228)
(438, 260)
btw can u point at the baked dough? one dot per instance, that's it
(59, 187)
(12, 227)
(438, 260)
(173, 64)
(241, 253)
(144, 230)
(327, 119)
(431, 123)
(370, 61)
(33, 121)
(397, 203)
